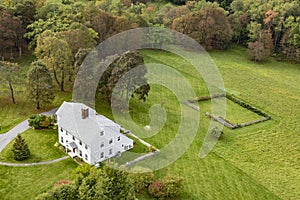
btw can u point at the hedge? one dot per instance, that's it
(239, 102)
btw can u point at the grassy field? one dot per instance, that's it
(28, 182)
(256, 162)
(268, 152)
(12, 114)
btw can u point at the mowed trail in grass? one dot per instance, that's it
(269, 152)
(213, 177)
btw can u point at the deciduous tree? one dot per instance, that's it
(11, 33)
(262, 48)
(57, 56)
(126, 87)
(55, 24)
(141, 177)
(39, 87)
(79, 38)
(209, 27)
(288, 49)
(9, 76)
(117, 183)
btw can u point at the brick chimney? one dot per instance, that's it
(84, 113)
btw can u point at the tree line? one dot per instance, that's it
(61, 33)
(111, 182)
(269, 26)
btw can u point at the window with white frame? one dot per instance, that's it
(86, 157)
(101, 132)
(62, 139)
(102, 144)
(119, 138)
(80, 153)
(102, 155)
(110, 151)
(110, 141)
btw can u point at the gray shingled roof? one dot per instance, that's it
(69, 115)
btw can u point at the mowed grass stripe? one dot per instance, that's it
(209, 178)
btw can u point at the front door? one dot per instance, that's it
(74, 150)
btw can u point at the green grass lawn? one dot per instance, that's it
(260, 161)
(41, 145)
(28, 182)
(235, 113)
(255, 162)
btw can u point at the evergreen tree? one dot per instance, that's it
(20, 149)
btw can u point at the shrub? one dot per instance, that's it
(42, 121)
(66, 192)
(169, 187)
(172, 186)
(156, 189)
(142, 178)
(62, 182)
(216, 132)
(152, 149)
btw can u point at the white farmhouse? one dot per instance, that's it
(88, 135)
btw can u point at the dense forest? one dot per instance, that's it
(61, 33)
(266, 27)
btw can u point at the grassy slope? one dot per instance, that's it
(268, 152)
(209, 178)
(28, 182)
(249, 163)
(256, 162)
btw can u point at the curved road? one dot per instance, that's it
(7, 137)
